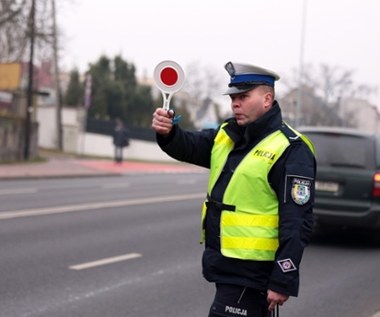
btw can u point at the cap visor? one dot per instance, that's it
(236, 90)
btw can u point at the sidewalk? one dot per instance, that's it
(58, 166)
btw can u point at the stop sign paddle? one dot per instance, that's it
(169, 78)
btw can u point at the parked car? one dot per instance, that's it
(348, 178)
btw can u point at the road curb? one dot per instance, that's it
(58, 176)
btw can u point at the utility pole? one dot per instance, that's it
(57, 82)
(29, 105)
(300, 74)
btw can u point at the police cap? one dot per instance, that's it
(245, 77)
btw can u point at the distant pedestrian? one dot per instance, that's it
(120, 140)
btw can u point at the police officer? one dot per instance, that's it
(257, 217)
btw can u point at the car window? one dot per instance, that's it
(334, 149)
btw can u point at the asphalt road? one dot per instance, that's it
(128, 246)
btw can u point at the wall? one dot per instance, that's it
(75, 141)
(47, 132)
(101, 145)
(12, 139)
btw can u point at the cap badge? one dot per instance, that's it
(230, 69)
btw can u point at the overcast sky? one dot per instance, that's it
(267, 33)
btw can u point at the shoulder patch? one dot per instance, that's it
(300, 191)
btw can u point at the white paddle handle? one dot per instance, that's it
(166, 98)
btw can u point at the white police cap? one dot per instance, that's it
(245, 77)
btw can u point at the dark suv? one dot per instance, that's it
(348, 177)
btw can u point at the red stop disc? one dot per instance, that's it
(169, 76)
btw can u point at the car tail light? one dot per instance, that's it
(376, 185)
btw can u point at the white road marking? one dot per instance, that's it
(70, 298)
(18, 191)
(188, 181)
(111, 186)
(94, 206)
(105, 261)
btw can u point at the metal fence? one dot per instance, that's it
(106, 128)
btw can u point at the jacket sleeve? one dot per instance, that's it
(186, 146)
(293, 180)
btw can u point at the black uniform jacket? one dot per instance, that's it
(296, 164)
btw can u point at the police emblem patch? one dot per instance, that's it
(287, 265)
(300, 190)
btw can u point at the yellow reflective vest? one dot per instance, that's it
(250, 232)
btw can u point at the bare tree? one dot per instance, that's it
(9, 9)
(201, 89)
(334, 83)
(15, 29)
(202, 82)
(323, 91)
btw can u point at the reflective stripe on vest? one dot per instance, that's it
(251, 231)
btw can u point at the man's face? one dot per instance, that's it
(251, 105)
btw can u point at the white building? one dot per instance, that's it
(365, 116)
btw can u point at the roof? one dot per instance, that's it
(337, 130)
